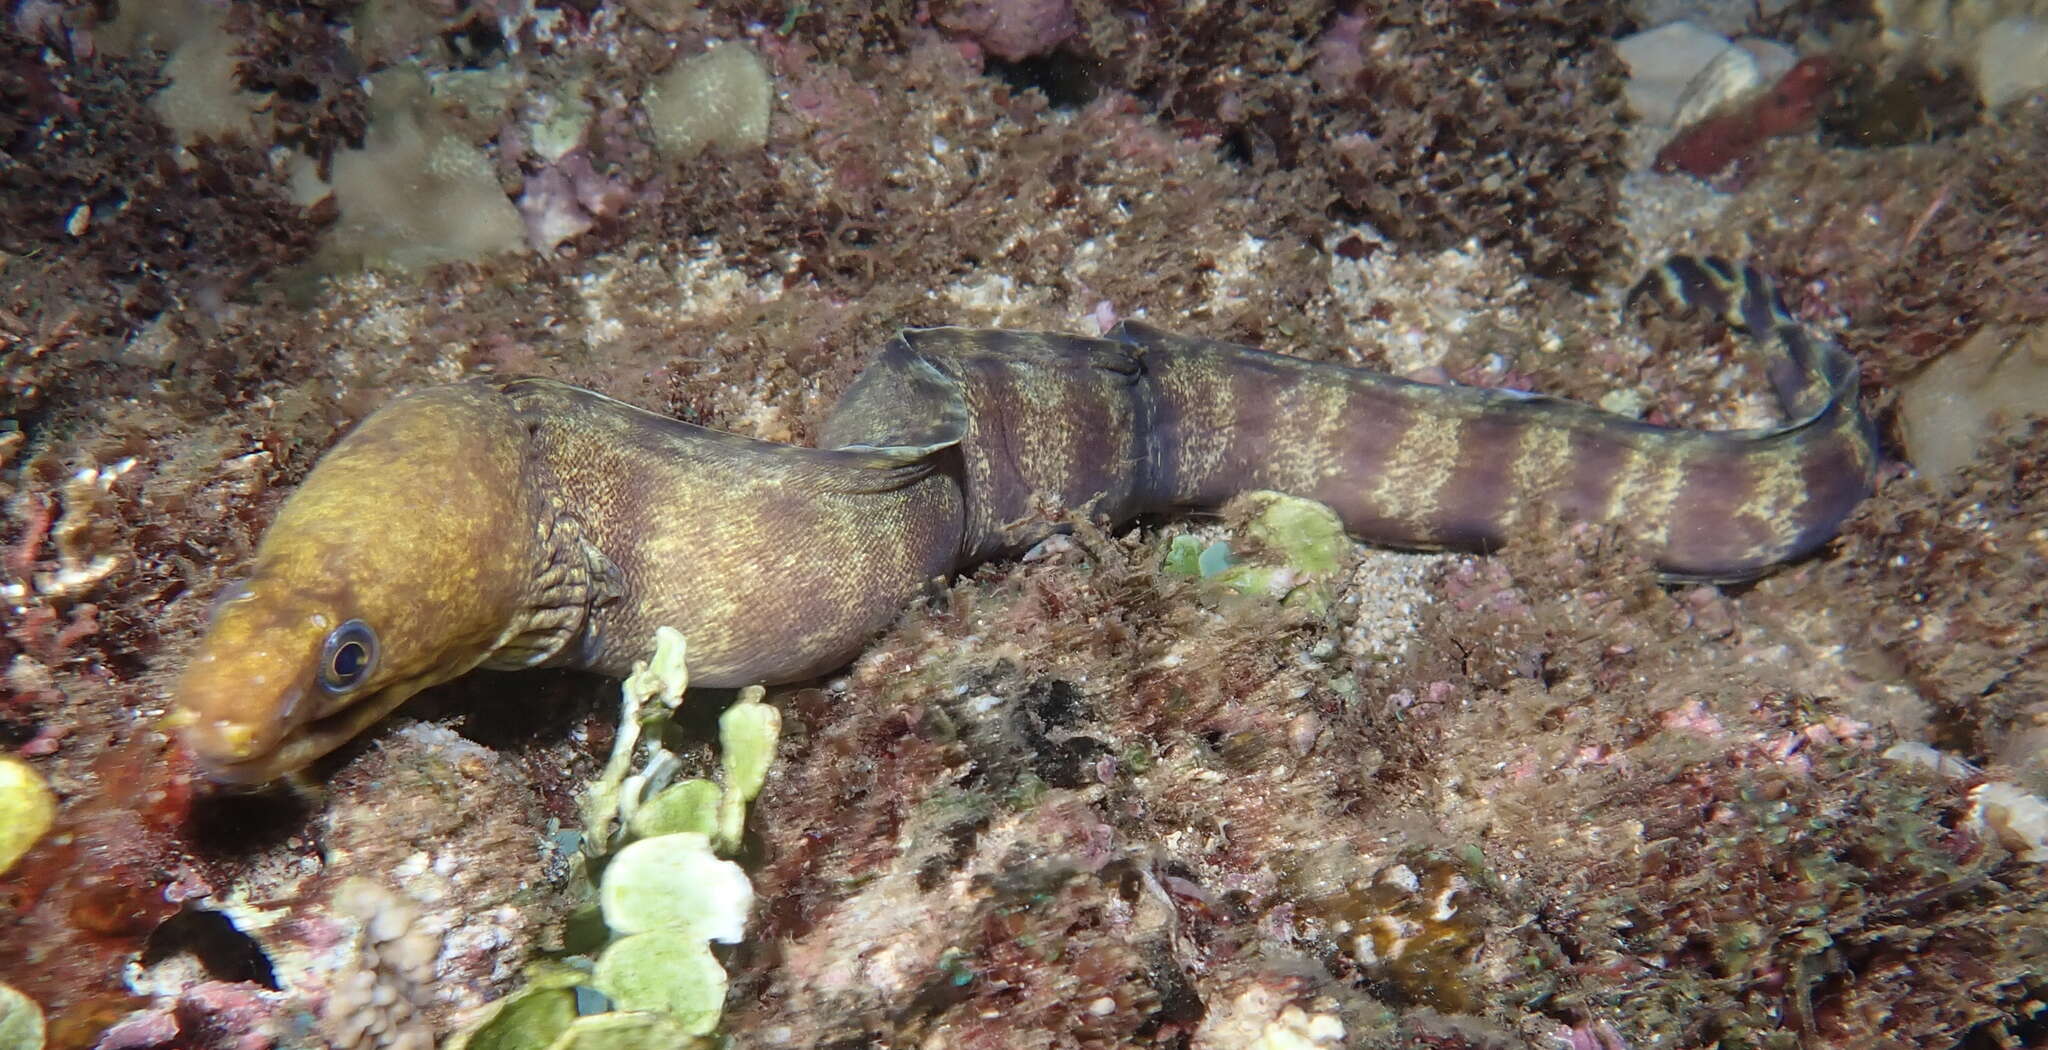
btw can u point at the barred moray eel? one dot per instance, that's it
(521, 522)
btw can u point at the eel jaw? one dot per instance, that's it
(298, 747)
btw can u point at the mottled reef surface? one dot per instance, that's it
(1532, 799)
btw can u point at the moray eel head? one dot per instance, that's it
(401, 562)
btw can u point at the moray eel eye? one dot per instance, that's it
(348, 657)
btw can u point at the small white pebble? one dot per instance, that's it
(2016, 818)
(1917, 754)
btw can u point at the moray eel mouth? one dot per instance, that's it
(282, 678)
(222, 752)
(289, 671)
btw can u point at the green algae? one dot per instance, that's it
(675, 881)
(21, 1021)
(1292, 549)
(649, 697)
(685, 806)
(664, 892)
(668, 972)
(532, 1018)
(747, 732)
(27, 809)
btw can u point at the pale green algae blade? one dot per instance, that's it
(21, 1021)
(684, 806)
(658, 683)
(1309, 533)
(624, 1030)
(676, 881)
(663, 896)
(746, 734)
(532, 1018)
(1297, 543)
(670, 972)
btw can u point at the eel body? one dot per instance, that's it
(524, 522)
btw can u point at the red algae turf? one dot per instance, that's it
(1076, 801)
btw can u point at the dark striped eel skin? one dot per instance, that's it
(523, 522)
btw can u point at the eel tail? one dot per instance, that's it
(1448, 467)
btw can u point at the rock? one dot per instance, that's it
(719, 99)
(1733, 75)
(2002, 43)
(1950, 408)
(1662, 64)
(2011, 61)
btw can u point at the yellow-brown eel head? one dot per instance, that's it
(400, 563)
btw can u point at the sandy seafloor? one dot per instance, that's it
(1528, 799)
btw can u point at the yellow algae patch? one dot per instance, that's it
(27, 809)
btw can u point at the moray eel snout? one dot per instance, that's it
(402, 561)
(280, 681)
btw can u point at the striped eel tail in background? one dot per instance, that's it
(520, 522)
(1465, 468)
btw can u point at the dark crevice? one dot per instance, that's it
(223, 951)
(238, 822)
(1068, 79)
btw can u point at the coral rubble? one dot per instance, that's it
(376, 995)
